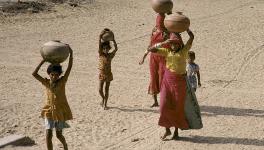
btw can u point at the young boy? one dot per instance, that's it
(192, 70)
(105, 73)
(56, 110)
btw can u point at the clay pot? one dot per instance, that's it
(177, 22)
(55, 52)
(162, 6)
(108, 36)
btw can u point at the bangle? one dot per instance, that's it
(158, 45)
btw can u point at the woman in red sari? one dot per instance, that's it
(157, 61)
(178, 104)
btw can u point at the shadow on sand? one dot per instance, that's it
(223, 140)
(217, 110)
(209, 111)
(135, 110)
(212, 111)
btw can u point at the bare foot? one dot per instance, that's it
(155, 105)
(105, 107)
(167, 133)
(175, 136)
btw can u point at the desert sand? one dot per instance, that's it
(229, 46)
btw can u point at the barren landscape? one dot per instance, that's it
(229, 46)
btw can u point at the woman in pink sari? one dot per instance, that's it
(178, 104)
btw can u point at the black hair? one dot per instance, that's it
(180, 47)
(105, 43)
(54, 68)
(191, 53)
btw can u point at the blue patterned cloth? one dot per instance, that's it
(192, 70)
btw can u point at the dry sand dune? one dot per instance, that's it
(230, 50)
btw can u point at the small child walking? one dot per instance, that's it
(105, 73)
(56, 110)
(192, 71)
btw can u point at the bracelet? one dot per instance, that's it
(158, 45)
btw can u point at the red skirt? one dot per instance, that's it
(156, 64)
(157, 68)
(172, 101)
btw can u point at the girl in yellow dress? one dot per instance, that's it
(56, 110)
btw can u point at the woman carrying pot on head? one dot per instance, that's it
(178, 104)
(157, 61)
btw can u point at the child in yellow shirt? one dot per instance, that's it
(56, 110)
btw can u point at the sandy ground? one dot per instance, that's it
(229, 45)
